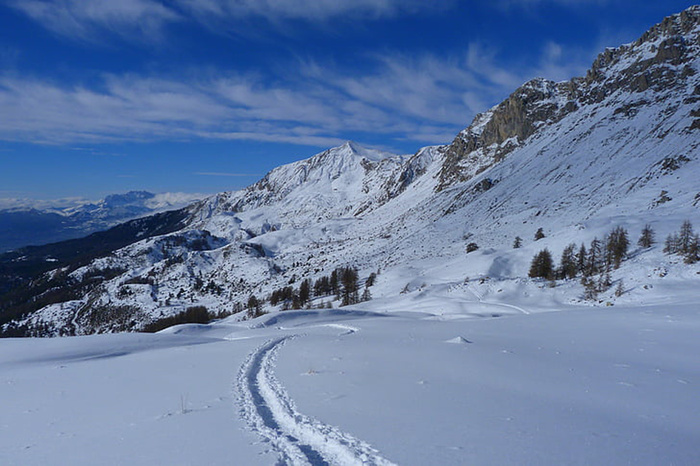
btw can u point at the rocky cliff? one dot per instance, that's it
(664, 59)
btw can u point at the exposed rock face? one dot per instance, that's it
(497, 132)
(663, 59)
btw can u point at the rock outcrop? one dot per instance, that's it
(662, 60)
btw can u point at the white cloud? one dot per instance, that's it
(423, 98)
(138, 20)
(225, 174)
(309, 10)
(87, 19)
(529, 3)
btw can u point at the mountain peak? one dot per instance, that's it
(353, 148)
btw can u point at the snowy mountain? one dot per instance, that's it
(616, 147)
(459, 357)
(28, 222)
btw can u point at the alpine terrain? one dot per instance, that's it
(363, 307)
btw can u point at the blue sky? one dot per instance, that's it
(105, 96)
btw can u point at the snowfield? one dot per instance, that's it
(614, 385)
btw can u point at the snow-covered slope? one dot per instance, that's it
(340, 182)
(617, 147)
(607, 386)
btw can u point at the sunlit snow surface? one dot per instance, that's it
(378, 385)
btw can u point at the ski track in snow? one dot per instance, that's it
(298, 439)
(510, 306)
(480, 298)
(347, 329)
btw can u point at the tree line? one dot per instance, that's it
(342, 285)
(595, 262)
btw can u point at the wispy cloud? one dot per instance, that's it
(309, 10)
(130, 19)
(426, 98)
(138, 20)
(531, 3)
(242, 175)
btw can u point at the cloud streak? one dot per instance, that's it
(242, 175)
(531, 3)
(426, 98)
(145, 20)
(87, 20)
(308, 10)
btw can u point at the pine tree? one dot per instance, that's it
(671, 244)
(693, 254)
(349, 278)
(322, 287)
(617, 244)
(542, 265)
(539, 234)
(646, 239)
(304, 292)
(274, 298)
(334, 283)
(518, 242)
(254, 307)
(568, 266)
(685, 237)
(594, 263)
(581, 259)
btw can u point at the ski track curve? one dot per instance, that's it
(297, 438)
(480, 299)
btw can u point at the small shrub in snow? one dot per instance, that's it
(366, 295)
(590, 288)
(370, 280)
(620, 290)
(539, 234)
(471, 247)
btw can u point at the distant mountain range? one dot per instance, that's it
(620, 146)
(27, 222)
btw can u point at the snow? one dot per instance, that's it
(459, 358)
(588, 386)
